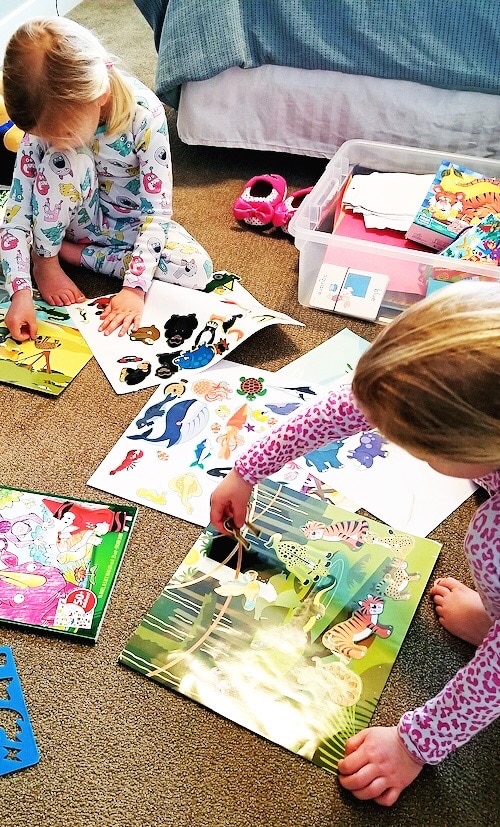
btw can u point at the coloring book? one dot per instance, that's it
(59, 559)
(187, 436)
(49, 362)
(182, 330)
(293, 637)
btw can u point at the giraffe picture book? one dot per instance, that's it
(49, 362)
(59, 560)
(293, 631)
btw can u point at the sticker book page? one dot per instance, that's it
(382, 478)
(375, 474)
(188, 435)
(59, 559)
(293, 637)
(181, 330)
(49, 362)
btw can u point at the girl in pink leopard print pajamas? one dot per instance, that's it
(429, 383)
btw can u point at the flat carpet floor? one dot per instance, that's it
(119, 750)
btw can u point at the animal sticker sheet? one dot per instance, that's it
(49, 362)
(59, 559)
(181, 330)
(384, 479)
(293, 631)
(404, 492)
(187, 436)
(18, 747)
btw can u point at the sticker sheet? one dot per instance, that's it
(49, 362)
(188, 435)
(293, 632)
(18, 748)
(181, 330)
(372, 473)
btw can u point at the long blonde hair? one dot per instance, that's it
(52, 67)
(431, 380)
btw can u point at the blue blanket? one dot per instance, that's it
(452, 44)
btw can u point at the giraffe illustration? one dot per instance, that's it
(45, 344)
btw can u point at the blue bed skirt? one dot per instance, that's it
(451, 44)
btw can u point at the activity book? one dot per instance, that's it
(293, 631)
(49, 362)
(59, 559)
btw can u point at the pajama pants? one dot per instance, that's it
(67, 204)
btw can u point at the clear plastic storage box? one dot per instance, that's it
(314, 220)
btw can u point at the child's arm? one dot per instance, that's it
(152, 151)
(20, 317)
(17, 223)
(333, 417)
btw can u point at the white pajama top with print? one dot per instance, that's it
(471, 699)
(114, 197)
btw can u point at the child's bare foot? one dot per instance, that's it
(54, 285)
(460, 610)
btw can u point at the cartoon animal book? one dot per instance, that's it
(49, 362)
(293, 631)
(182, 331)
(59, 560)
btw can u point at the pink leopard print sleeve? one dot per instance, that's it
(332, 417)
(471, 700)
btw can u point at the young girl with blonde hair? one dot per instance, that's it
(92, 184)
(431, 384)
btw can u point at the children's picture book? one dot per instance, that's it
(188, 435)
(49, 362)
(457, 198)
(480, 243)
(182, 330)
(59, 560)
(18, 747)
(293, 631)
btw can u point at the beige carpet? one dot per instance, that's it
(119, 750)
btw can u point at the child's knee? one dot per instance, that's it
(193, 269)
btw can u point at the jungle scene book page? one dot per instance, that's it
(294, 636)
(59, 560)
(49, 362)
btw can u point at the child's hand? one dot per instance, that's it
(229, 501)
(377, 765)
(124, 309)
(20, 317)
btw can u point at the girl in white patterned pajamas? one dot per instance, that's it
(92, 184)
(429, 383)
